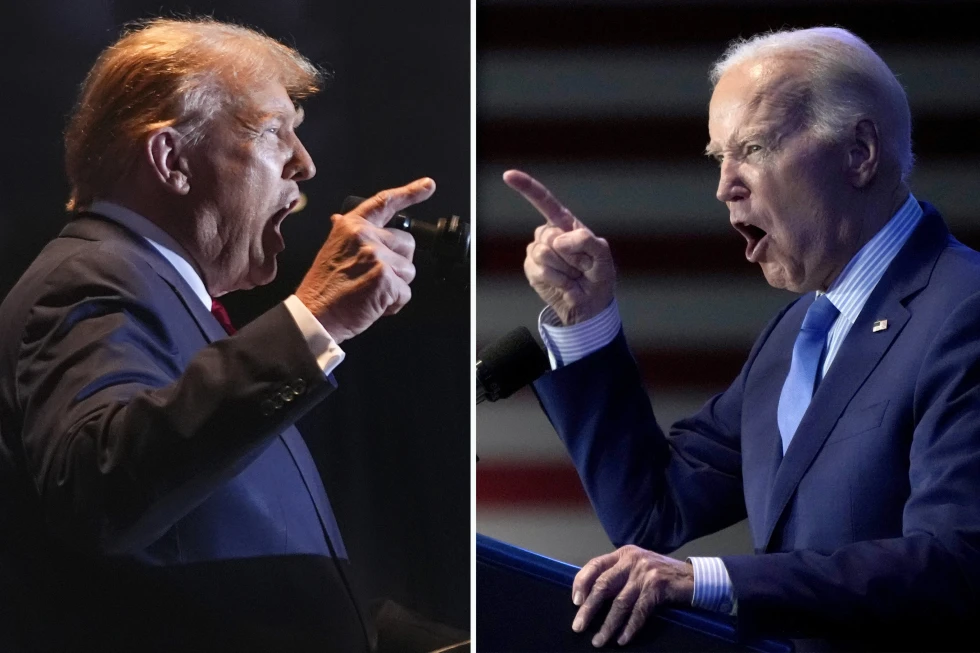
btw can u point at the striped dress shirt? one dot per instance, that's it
(850, 291)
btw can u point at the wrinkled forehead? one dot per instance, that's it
(757, 95)
(260, 96)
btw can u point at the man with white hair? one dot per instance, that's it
(850, 439)
(154, 494)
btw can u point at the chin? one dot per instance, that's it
(262, 275)
(775, 277)
(778, 277)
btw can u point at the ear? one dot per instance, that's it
(165, 152)
(863, 154)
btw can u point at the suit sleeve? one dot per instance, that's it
(648, 489)
(928, 580)
(122, 436)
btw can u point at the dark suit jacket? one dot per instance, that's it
(871, 522)
(153, 491)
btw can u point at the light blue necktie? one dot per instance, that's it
(805, 367)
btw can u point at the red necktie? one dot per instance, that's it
(220, 314)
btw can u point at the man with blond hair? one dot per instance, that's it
(850, 439)
(155, 494)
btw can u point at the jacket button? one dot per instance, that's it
(299, 386)
(287, 394)
(267, 408)
(276, 401)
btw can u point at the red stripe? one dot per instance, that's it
(528, 484)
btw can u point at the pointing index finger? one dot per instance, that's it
(541, 198)
(378, 210)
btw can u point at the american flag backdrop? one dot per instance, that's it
(606, 103)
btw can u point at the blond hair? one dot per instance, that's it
(177, 73)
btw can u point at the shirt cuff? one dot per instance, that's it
(713, 586)
(567, 344)
(327, 352)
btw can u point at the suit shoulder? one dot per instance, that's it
(953, 284)
(72, 270)
(73, 262)
(959, 263)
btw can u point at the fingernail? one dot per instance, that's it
(577, 624)
(577, 598)
(622, 640)
(597, 641)
(427, 184)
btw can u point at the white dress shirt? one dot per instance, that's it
(849, 293)
(327, 352)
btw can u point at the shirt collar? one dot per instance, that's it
(851, 289)
(163, 242)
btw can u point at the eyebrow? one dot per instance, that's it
(282, 114)
(739, 141)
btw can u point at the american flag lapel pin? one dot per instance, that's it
(879, 325)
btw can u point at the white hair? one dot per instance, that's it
(846, 81)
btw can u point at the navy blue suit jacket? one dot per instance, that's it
(870, 524)
(149, 466)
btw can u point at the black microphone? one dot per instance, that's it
(448, 239)
(508, 364)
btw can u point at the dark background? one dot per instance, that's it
(393, 442)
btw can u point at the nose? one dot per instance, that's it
(300, 166)
(731, 186)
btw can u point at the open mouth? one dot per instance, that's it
(756, 240)
(275, 225)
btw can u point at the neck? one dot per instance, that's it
(862, 226)
(166, 218)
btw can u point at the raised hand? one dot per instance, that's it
(363, 270)
(569, 267)
(637, 581)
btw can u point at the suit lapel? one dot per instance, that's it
(90, 226)
(857, 358)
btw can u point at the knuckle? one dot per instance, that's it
(368, 252)
(651, 578)
(621, 604)
(531, 270)
(539, 253)
(644, 607)
(409, 245)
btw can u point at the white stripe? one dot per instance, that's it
(643, 199)
(517, 430)
(692, 312)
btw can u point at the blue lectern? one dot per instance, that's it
(523, 604)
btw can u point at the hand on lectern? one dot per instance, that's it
(637, 581)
